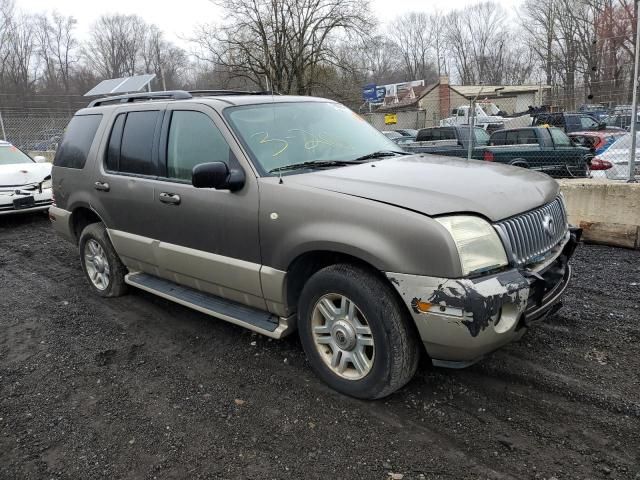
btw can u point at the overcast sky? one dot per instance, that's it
(177, 20)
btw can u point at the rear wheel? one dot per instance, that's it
(356, 333)
(100, 262)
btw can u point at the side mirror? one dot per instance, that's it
(217, 175)
(40, 159)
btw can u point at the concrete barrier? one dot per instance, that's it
(607, 211)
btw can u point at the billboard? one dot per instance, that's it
(373, 93)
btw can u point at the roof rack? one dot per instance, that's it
(231, 92)
(171, 95)
(137, 97)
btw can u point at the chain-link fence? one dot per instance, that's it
(33, 131)
(592, 140)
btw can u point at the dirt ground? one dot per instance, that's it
(139, 387)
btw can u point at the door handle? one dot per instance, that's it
(170, 198)
(102, 186)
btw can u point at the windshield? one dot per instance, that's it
(10, 155)
(281, 134)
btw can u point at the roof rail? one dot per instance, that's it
(231, 92)
(135, 97)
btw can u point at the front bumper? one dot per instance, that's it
(41, 201)
(461, 320)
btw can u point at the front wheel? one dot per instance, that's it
(357, 335)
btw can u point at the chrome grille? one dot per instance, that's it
(531, 235)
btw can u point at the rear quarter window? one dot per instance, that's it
(77, 141)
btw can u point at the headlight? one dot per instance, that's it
(478, 244)
(46, 184)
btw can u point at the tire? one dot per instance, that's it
(95, 243)
(391, 359)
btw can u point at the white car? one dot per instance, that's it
(25, 183)
(618, 155)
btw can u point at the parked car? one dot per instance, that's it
(597, 141)
(618, 155)
(45, 140)
(406, 140)
(451, 141)
(293, 212)
(25, 182)
(622, 121)
(392, 134)
(570, 122)
(407, 132)
(539, 148)
(548, 150)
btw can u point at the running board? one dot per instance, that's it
(248, 317)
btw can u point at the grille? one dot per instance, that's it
(531, 235)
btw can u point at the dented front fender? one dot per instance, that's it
(460, 320)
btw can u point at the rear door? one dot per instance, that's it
(124, 183)
(569, 159)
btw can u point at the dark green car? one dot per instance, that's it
(547, 149)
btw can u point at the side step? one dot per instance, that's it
(233, 312)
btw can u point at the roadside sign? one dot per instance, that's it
(390, 119)
(373, 93)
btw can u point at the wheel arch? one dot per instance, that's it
(306, 264)
(81, 216)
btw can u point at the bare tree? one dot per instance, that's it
(162, 58)
(282, 42)
(115, 46)
(57, 48)
(477, 40)
(412, 36)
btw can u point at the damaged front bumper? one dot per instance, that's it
(461, 320)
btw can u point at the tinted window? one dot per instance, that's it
(498, 138)
(77, 141)
(193, 139)
(447, 134)
(512, 137)
(425, 135)
(137, 143)
(113, 150)
(527, 136)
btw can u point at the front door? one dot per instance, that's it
(208, 239)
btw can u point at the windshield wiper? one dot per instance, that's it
(381, 154)
(314, 164)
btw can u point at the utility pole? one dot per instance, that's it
(634, 102)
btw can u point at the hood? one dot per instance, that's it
(436, 185)
(18, 174)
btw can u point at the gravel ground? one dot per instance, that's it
(139, 387)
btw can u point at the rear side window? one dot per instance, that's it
(447, 134)
(131, 143)
(498, 138)
(527, 136)
(77, 140)
(512, 137)
(425, 135)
